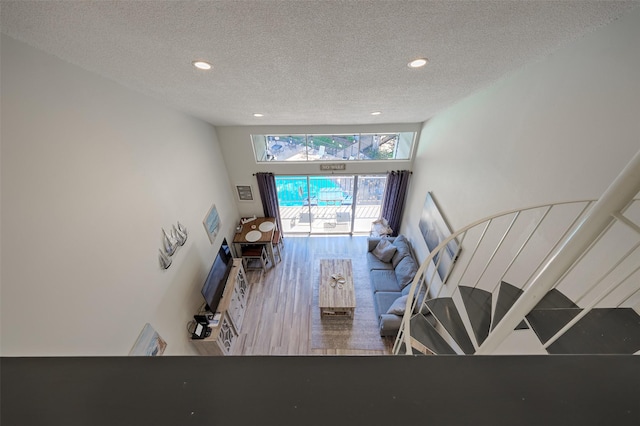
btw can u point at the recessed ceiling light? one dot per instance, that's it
(376, 113)
(202, 65)
(417, 63)
(257, 114)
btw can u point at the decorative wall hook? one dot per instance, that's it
(165, 261)
(183, 233)
(169, 243)
(182, 229)
(180, 237)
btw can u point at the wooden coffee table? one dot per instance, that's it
(335, 298)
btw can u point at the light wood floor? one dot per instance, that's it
(278, 315)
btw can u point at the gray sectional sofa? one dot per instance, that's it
(392, 267)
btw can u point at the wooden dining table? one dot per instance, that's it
(256, 232)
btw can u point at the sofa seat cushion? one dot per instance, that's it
(384, 280)
(375, 263)
(383, 300)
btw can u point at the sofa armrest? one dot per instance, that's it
(390, 324)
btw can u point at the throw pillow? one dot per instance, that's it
(421, 298)
(384, 250)
(397, 307)
(403, 250)
(406, 271)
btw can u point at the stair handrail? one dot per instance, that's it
(606, 210)
(613, 201)
(416, 287)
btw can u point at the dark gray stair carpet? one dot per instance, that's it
(477, 302)
(547, 322)
(555, 299)
(431, 320)
(507, 296)
(423, 332)
(444, 309)
(403, 350)
(601, 331)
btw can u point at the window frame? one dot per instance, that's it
(327, 147)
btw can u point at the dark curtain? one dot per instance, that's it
(269, 195)
(394, 197)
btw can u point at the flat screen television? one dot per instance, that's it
(217, 278)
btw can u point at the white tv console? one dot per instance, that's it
(232, 307)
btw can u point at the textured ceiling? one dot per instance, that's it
(304, 62)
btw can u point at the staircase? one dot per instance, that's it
(560, 278)
(601, 331)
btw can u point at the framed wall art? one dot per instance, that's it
(149, 343)
(245, 193)
(434, 230)
(212, 223)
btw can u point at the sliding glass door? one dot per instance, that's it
(368, 201)
(343, 204)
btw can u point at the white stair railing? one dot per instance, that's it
(602, 216)
(535, 249)
(472, 244)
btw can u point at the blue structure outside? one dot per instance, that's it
(321, 191)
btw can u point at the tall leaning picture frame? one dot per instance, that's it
(434, 230)
(211, 223)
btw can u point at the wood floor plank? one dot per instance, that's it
(278, 316)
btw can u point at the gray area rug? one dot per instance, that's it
(359, 332)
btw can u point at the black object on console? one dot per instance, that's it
(217, 278)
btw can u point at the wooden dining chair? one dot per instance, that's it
(277, 243)
(254, 258)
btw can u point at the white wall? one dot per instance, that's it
(91, 172)
(237, 150)
(560, 129)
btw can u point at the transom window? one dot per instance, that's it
(334, 147)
